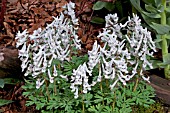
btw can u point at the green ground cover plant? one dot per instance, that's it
(107, 79)
(7, 81)
(122, 99)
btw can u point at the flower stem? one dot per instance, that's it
(55, 88)
(101, 89)
(136, 84)
(47, 91)
(114, 101)
(107, 83)
(83, 109)
(164, 41)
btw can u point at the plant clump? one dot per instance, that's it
(50, 55)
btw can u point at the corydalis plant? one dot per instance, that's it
(54, 42)
(126, 53)
(123, 56)
(156, 15)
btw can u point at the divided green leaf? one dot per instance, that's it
(5, 102)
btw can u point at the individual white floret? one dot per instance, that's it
(55, 71)
(21, 38)
(39, 83)
(50, 76)
(94, 56)
(79, 77)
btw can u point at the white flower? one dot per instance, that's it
(79, 77)
(113, 85)
(146, 78)
(64, 77)
(50, 77)
(62, 54)
(136, 20)
(21, 38)
(111, 19)
(23, 51)
(94, 56)
(76, 93)
(70, 11)
(107, 68)
(36, 34)
(24, 64)
(39, 83)
(55, 71)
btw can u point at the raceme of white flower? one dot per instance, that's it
(123, 56)
(127, 50)
(79, 77)
(94, 56)
(51, 43)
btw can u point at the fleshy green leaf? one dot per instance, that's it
(97, 20)
(99, 5)
(2, 83)
(166, 58)
(158, 3)
(168, 36)
(150, 8)
(168, 9)
(136, 4)
(168, 21)
(160, 29)
(152, 15)
(109, 6)
(158, 40)
(149, 1)
(166, 61)
(160, 9)
(149, 20)
(119, 7)
(155, 64)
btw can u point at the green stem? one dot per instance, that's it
(163, 14)
(164, 41)
(55, 88)
(47, 90)
(107, 83)
(136, 84)
(114, 101)
(83, 109)
(101, 89)
(137, 79)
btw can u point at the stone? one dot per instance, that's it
(9, 62)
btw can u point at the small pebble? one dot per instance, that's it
(169, 84)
